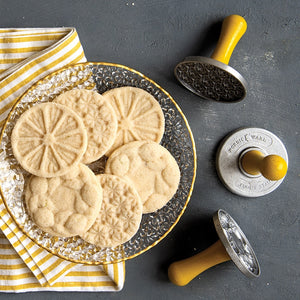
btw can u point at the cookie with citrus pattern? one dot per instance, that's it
(49, 139)
(139, 116)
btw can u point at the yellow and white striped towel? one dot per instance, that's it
(27, 55)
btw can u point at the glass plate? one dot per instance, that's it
(177, 139)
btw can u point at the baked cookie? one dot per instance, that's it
(139, 115)
(49, 139)
(151, 168)
(67, 205)
(120, 215)
(98, 117)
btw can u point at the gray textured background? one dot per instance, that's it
(152, 37)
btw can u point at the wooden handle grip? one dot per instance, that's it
(272, 167)
(233, 28)
(183, 271)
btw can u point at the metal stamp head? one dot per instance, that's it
(211, 79)
(236, 244)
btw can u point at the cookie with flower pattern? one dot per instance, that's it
(120, 214)
(98, 117)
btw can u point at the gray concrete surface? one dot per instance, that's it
(152, 36)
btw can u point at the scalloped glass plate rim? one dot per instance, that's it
(190, 135)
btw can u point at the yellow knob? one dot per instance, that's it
(183, 271)
(272, 167)
(233, 28)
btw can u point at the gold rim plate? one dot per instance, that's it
(178, 139)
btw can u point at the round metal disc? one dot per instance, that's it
(236, 244)
(228, 157)
(211, 79)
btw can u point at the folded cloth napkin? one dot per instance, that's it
(27, 55)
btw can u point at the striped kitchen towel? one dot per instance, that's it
(27, 55)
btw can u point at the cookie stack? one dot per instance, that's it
(55, 140)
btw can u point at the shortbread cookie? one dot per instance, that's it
(98, 117)
(49, 139)
(67, 205)
(151, 168)
(120, 214)
(139, 115)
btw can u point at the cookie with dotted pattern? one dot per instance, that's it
(152, 170)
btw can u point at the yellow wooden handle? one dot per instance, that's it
(272, 167)
(233, 28)
(183, 271)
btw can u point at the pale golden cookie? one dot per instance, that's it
(49, 140)
(151, 168)
(139, 115)
(98, 117)
(120, 215)
(67, 205)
